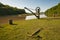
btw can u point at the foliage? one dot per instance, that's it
(8, 10)
(54, 11)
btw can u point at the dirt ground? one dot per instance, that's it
(5, 19)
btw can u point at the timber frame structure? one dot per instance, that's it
(37, 14)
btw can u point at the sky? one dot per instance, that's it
(43, 4)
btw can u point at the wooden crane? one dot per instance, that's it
(37, 12)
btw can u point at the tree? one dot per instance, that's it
(53, 11)
(8, 10)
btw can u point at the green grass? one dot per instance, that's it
(21, 31)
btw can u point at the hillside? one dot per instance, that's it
(8, 10)
(54, 11)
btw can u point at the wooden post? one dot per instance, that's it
(36, 32)
(38, 12)
(11, 22)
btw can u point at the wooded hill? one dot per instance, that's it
(8, 10)
(54, 11)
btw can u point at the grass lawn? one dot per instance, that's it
(25, 28)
